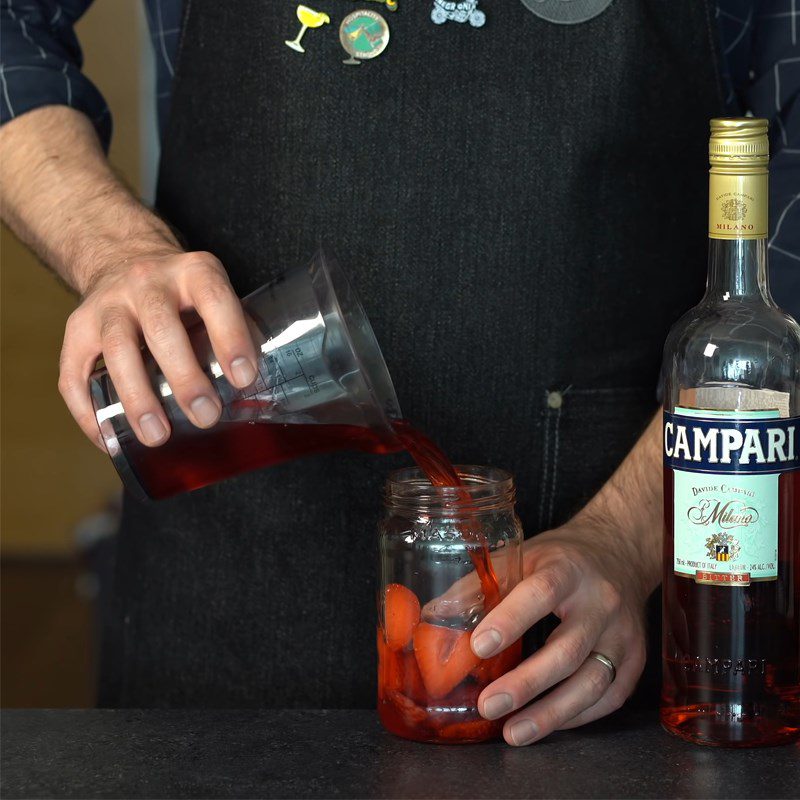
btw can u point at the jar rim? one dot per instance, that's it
(482, 486)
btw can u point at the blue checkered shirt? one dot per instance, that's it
(759, 43)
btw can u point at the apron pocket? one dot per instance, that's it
(587, 434)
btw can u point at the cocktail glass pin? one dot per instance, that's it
(308, 19)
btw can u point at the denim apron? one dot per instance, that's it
(521, 209)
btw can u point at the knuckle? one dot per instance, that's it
(511, 620)
(135, 399)
(547, 719)
(187, 381)
(568, 653)
(66, 383)
(156, 314)
(64, 357)
(154, 300)
(597, 679)
(74, 322)
(88, 422)
(616, 699)
(610, 597)
(114, 345)
(142, 271)
(112, 328)
(528, 687)
(212, 292)
(543, 588)
(67, 379)
(201, 263)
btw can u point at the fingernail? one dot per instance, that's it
(497, 705)
(485, 644)
(522, 732)
(243, 372)
(205, 411)
(152, 429)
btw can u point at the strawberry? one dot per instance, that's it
(402, 615)
(465, 695)
(492, 668)
(389, 666)
(482, 672)
(444, 657)
(476, 730)
(411, 714)
(506, 660)
(410, 683)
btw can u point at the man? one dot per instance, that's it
(521, 206)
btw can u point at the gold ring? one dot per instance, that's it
(606, 662)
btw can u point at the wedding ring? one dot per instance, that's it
(606, 662)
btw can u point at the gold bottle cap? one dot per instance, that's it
(739, 140)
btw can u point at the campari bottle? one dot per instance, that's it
(731, 587)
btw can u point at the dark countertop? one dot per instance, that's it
(302, 754)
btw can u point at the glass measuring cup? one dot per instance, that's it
(322, 385)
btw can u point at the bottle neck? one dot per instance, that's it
(737, 270)
(737, 230)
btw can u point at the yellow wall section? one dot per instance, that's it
(51, 475)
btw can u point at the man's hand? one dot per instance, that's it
(143, 298)
(595, 574)
(566, 572)
(61, 197)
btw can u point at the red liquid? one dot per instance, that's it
(440, 472)
(193, 458)
(405, 707)
(732, 654)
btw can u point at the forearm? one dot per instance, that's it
(628, 509)
(61, 197)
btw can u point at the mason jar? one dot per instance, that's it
(447, 556)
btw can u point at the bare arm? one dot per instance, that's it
(61, 197)
(627, 512)
(595, 573)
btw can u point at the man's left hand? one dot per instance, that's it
(575, 573)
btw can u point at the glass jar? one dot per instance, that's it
(447, 555)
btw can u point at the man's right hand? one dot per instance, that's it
(141, 299)
(60, 196)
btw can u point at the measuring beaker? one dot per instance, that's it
(322, 385)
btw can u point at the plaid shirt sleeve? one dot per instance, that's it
(760, 41)
(40, 62)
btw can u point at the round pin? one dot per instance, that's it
(567, 12)
(364, 34)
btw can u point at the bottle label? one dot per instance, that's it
(737, 206)
(726, 468)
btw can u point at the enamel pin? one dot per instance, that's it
(308, 19)
(461, 11)
(391, 5)
(364, 35)
(567, 12)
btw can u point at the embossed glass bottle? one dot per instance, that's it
(731, 585)
(437, 548)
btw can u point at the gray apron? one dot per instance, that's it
(521, 208)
